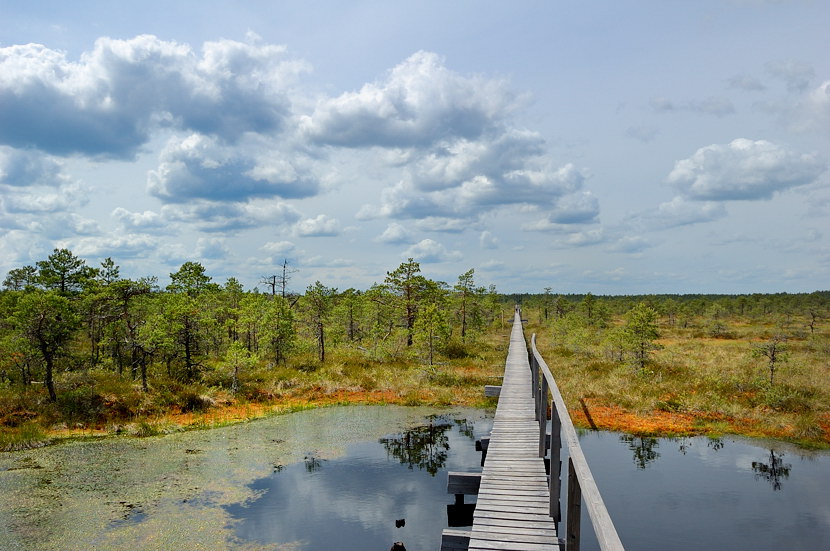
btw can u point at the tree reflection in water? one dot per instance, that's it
(466, 428)
(424, 447)
(312, 463)
(644, 448)
(772, 471)
(715, 443)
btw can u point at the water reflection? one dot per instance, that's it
(773, 470)
(643, 447)
(715, 443)
(466, 428)
(424, 447)
(367, 499)
(644, 450)
(312, 463)
(705, 493)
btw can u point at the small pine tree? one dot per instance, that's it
(431, 328)
(775, 351)
(640, 332)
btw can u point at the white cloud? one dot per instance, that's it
(117, 247)
(575, 208)
(319, 226)
(202, 167)
(680, 211)
(429, 251)
(444, 224)
(146, 221)
(487, 240)
(62, 225)
(570, 210)
(211, 248)
(418, 102)
(108, 102)
(662, 104)
(27, 168)
(230, 217)
(743, 170)
(450, 163)
(36, 201)
(239, 146)
(174, 254)
(327, 262)
(812, 112)
(279, 247)
(584, 238)
(631, 244)
(395, 234)
(538, 188)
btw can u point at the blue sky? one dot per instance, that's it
(611, 147)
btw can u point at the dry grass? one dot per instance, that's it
(695, 384)
(98, 402)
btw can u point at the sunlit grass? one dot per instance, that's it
(693, 384)
(97, 402)
(26, 436)
(696, 384)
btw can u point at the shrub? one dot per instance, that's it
(786, 398)
(442, 378)
(144, 429)
(191, 401)
(669, 404)
(218, 377)
(455, 350)
(81, 405)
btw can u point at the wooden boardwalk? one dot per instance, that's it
(512, 510)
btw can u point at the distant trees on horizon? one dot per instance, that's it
(61, 315)
(62, 312)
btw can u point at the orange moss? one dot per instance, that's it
(229, 412)
(595, 413)
(613, 417)
(824, 424)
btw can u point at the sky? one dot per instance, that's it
(609, 147)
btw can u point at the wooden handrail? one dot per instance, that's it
(581, 486)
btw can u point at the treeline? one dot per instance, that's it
(689, 310)
(61, 319)
(62, 315)
(625, 328)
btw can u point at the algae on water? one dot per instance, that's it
(169, 491)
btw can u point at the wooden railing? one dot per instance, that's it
(581, 484)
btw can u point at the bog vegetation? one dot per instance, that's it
(86, 351)
(757, 365)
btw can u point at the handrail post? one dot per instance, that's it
(542, 416)
(555, 481)
(574, 508)
(534, 379)
(579, 474)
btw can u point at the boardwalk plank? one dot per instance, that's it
(513, 501)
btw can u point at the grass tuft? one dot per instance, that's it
(27, 436)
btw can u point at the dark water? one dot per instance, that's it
(353, 503)
(678, 494)
(698, 493)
